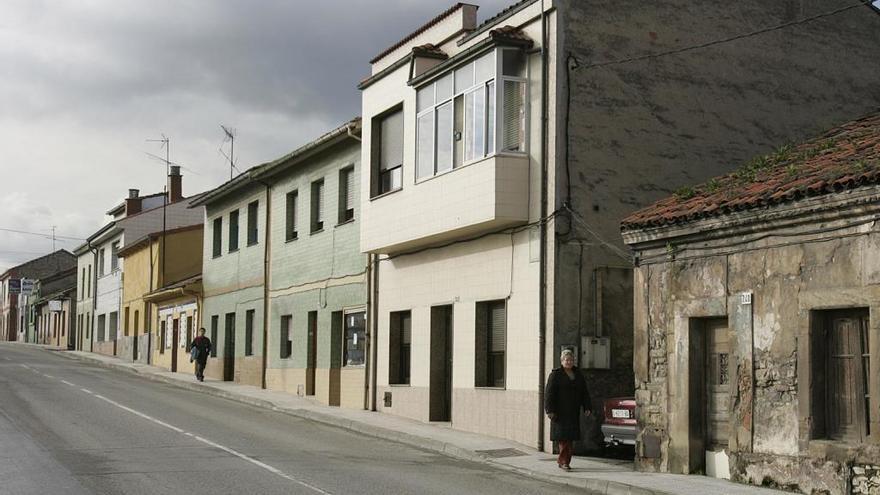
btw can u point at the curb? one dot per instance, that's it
(591, 486)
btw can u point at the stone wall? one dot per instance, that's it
(793, 273)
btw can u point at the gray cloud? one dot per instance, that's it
(83, 85)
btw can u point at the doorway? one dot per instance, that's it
(709, 401)
(312, 352)
(175, 337)
(229, 348)
(440, 401)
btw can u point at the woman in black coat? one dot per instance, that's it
(564, 397)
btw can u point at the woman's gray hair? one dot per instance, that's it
(566, 352)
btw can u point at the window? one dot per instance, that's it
(841, 365)
(89, 290)
(317, 205)
(215, 322)
(218, 237)
(346, 194)
(125, 321)
(400, 340)
(82, 286)
(102, 329)
(286, 345)
(101, 258)
(491, 343)
(387, 151)
(114, 326)
(114, 256)
(233, 231)
(252, 223)
(290, 229)
(355, 331)
(189, 331)
(249, 332)
(457, 119)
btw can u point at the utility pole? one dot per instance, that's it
(230, 134)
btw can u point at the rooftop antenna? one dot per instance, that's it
(230, 134)
(53, 238)
(166, 143)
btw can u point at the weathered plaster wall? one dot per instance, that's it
(790, 277)
(640, 130)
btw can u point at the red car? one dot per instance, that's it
(619, 425)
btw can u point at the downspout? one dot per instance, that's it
(542, 297)
(374, 346)
(267, 251)
(94, 294)
(368, 344)
(148, 312)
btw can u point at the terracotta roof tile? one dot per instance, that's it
(843, 158)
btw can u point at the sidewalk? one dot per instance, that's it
(598, 476)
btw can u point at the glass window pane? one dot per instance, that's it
(444, 88)
(444, 137)
(513, 127)
(425, 146)
(485, 68)
(425, 98)
(490, 117)
(513, 63)
(475, 124)
(464, 77)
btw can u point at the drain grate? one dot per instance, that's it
(499, 453)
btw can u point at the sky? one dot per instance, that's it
(86, 85)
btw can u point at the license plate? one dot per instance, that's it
(620, 413)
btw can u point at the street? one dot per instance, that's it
(74, 428)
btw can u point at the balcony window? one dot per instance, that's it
(458, 120)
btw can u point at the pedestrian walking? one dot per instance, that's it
(199, 350)
(565, 396)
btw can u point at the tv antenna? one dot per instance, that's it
(230, 135)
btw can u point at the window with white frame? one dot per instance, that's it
(471, 112)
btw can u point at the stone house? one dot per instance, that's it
(161, 295)
(500, 157)
(757, 310)
(52, 310)
(302, 267)
(12, 318)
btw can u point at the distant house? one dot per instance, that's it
(757, 311)
(13, 321)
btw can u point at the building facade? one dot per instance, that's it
(757, 297)
(12, 319)
(500, 157)
(300, 265)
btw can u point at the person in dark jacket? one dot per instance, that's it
(565, 396)
(199, 349)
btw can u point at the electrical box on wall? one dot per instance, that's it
(595, 352)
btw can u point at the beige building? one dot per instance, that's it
(161, 295)
(500, 156)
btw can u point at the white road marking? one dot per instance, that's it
(67, 383)
(48, 376)
(87, 391)
(212, 444)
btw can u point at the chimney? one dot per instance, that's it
(175, 185)
(133, 202)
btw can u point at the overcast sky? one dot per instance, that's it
(84, 84)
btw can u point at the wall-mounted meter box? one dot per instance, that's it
(596, 352)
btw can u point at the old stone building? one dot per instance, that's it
(500, 157)
(757, 313)
(12, 319)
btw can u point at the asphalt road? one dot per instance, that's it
(68, 427)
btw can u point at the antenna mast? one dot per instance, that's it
(230, 134)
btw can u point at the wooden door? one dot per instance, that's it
(846, 372)
(229, 348)
(312, 349)
(717, 385)
(440, 394)
(175, 337)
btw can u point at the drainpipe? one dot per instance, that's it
(542, 297)
(374, 341)
(94, 294)
(267, 251)
(148, 312)
(368, 344)
(348, 131)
